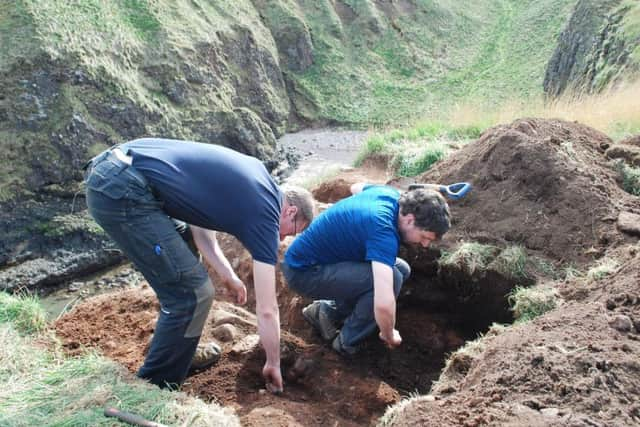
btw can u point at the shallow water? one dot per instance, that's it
(323, 153)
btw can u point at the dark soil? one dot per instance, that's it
(545, 185)
(576, 366)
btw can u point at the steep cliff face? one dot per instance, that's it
(81, 77)
(600, 45)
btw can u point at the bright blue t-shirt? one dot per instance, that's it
(360, 228)
(213, 187)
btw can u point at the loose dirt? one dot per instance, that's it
(545, 185)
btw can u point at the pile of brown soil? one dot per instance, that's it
(577, 365)
(548, 186)
(544, 184)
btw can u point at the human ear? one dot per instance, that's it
(411, 219)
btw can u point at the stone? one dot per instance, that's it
(221, 317)
(629, 223)
(629, 153)
(225, 332)
(75, 286)
(206, 355)
(246, 345)
(621, 323)
(550, 412)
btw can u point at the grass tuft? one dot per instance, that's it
(571, 272)
(414, 150)
(23, 311)
(409, 164)
(460, 361)
(512, 263)
(529, 303)
(630, 178)
(602, 269)
(44, 387)
(470, 257)
(394, 412)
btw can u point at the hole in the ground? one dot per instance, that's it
(438, 311)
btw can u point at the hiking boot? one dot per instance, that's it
(205, 356)
(315, 313)
(342, 349)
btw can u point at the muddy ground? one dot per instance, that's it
(547, 186)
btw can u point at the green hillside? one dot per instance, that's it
(78, 76)
(372, 67)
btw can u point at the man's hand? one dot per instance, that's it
(392, 341)
(273, 378)
(214, 258)
(237, 287)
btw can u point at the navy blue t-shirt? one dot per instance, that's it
(213, 187)
(360, 228)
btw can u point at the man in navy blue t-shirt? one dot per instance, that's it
(346, 261)
(133, 192)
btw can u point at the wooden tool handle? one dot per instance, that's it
(129, 418)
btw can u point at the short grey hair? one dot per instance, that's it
(429, 208)
(303, 200)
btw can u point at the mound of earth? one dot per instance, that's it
(577, 365)
(543, 184)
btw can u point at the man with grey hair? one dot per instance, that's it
(346, 261)
(133, 192)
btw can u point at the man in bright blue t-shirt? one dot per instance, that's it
(135, 189)
(346, 261)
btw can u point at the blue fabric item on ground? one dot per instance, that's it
(362, 227)
(346, 289)
(121, 201)
(213, 187)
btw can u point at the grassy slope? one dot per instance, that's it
(448, 53)
(133, 50)
(40, 386)
(16, 34)
(370, 67)
(631, 28)
(113, 40)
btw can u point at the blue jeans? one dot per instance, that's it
(122, 203)
(347, 290)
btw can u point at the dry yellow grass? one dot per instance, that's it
(615, 111)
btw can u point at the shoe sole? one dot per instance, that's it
(312, 321)
(336, 345)
(197, 368)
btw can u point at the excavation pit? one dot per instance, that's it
(321, 387)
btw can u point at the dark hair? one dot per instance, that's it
(429, 208)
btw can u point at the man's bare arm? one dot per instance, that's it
(384, 303)
(264, 278)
